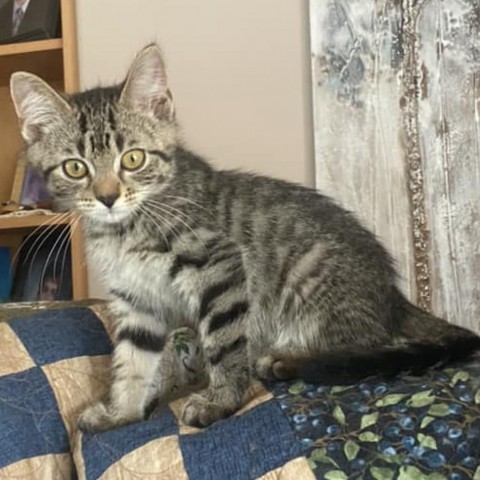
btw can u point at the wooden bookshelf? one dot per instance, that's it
(30, 47)
(55, 60)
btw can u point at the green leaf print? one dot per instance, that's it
(460, 376)
(368, 437)
(411, 473)
(439, 410)
(296, 388)
(427, 441)
(338, 415)
(351, 450)
(421, 399)
(381, 473)
(336, 475)
(426, 421)
(368, 420)
(392, 399)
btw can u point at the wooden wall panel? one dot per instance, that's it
(356, 57)
(449, 57)
(396, 87)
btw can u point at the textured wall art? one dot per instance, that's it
(396, 88)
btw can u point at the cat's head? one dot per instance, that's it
(103, 152)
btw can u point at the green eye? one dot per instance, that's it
(75, 169)
(133, 159)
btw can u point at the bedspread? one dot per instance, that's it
(55, 362)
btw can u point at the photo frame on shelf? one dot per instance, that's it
(29, 188)
(28, 20)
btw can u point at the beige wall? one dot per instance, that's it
(239, 72)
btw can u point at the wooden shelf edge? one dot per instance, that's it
(29, 47)
(29, 221)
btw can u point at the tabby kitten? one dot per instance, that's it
(278, 280)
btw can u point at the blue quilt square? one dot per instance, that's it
(30, 422)
(241, 447)
(101, 450)
(54, 335)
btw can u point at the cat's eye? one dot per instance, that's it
(133, 159)
(75, 169)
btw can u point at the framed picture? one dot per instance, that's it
(28, 20)
(29, 188)
(43, 271)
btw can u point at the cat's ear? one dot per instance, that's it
(146, 88)
(39, 107)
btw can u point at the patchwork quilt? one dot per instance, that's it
(54, 362)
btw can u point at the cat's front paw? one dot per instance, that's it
(200, 412)
(95, 418)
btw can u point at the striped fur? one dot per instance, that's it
(272, 275)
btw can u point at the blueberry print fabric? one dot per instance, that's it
(424, 427)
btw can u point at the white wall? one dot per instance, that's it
(239, 72)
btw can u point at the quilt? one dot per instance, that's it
(54, 362)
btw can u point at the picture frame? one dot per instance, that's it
(28, 20)
(29, 188)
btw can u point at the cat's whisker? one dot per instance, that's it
(25, 240)
(152, 219)
(188, 200)
(158, 214)
(52, 250)
(176, 217)
(63, 246)
(51, 229)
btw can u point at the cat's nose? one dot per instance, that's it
(108, 200)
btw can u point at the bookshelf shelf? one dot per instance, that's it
(31, 47)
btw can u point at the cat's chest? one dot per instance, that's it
(125, 266)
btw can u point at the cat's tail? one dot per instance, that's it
(424, 341)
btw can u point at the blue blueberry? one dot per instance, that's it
(473, 433)
(323, 389)
(407, 461)
(418, 451)
(318, 410)
(311, 394)
(408, 443)
(392, 431)
(299, 418)
(333, 429)
(383, 445)
(463, 449)
(316, 422)
(390, 451)
(284, 405)
(469, 462)
(334, 447)
(300, 426)
(359, 407)
(406, 423)
(443, 377)
(365, 389)
(454, 476)
(400, 408)
(440, 426)
(455, 408)
(454, 433)
(306, 442)
(380, 389)
(435, 459)
(357, 464)
(466, 397)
